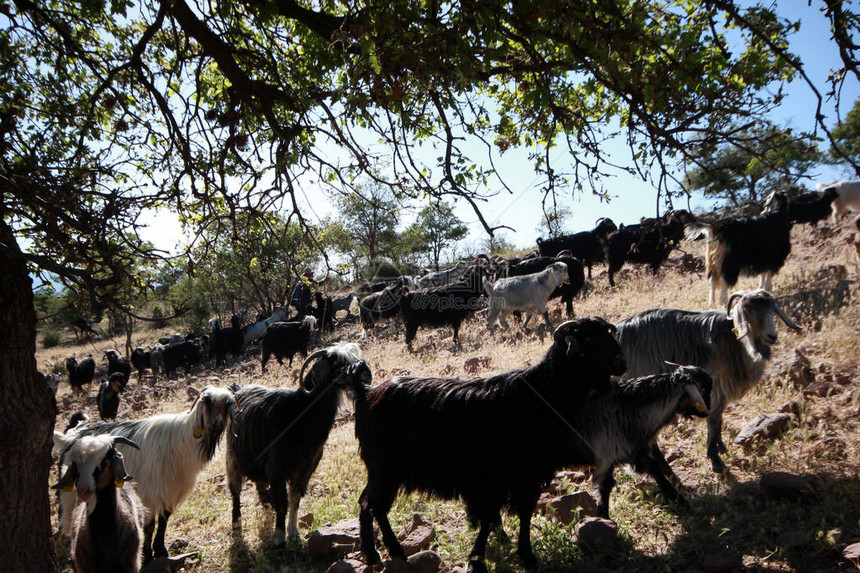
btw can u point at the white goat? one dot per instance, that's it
(254, 332)
(732, 345)
(528, 293)
(847, 196)
(175, 448)
(442, 278)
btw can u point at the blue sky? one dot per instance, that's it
(632, 198)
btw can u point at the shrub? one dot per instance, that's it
(50, 339)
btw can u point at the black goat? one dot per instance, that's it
(384, 303)
(649, 243)
(107, 399)
(746, 245)
(343, 303)
(141, 359)
(80, 373)
(494, 441)
(812, 207)
(575, 273)
(176, 355)
(446, 305)
(277, 438)
(118, 363)
(587, 246)
(284, 339)
(224, 341)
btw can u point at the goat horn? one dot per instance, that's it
(781, 314)
(563, 329)
(732, 300)
(313, 356)
(696, 396)
(126, 441)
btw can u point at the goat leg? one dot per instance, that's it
(524, 542)
(295, 495)
(605, 483)
(278, 488)
(148, 529)
(715, 442)
(365, 520)
(479, 550)
(158, 547)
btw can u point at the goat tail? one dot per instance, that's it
(696, 230)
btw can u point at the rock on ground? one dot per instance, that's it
(764, 426)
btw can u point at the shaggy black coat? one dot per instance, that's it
(755, 245)
(284, 340)
(587, 246)
(648, 243)
(446, 305)
(494, 442)
(812, 207)
(575, 274)
(278, 435)
(224, 341)
(107, 399)
(118, 363)
(82, 372)
(183, 354)
(381, 304)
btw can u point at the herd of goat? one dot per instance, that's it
(571, 408)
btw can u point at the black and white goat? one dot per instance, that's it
(623, 428)
(441, 306)
(277, 438)
(812, 207)
(175, 448)
(254, 332)
(494, 442)
(107, 527)
(285, 339)
(648, 243)
(733, 346)
(80, 373)
(528, 293)
(847, 196)
(118, 363)
(757, 245)
(107, 399)
(587, 246)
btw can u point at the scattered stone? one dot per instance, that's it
(821, 389)
(843, 379)
(425, 562)
(348, 566)
(597, 533)
(800, 372)
(725, 561)
(307, 519)
(342, 537)
(764, 426)
(783, 485)
(417, 536)
(178, 543)
(564, 508)
(792, 408)
(169, 564)
(474, 364)
(543, 501)
(852, 553)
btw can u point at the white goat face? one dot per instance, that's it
(212, 408)
(86, 461)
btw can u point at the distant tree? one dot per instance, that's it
(552, 223)
(766, 160)
(370, 217)
(436, 228)
(496, 244)
(847, 137)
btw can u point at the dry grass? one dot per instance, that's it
(725, 511)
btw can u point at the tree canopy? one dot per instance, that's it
(228, 110)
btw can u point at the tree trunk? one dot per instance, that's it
(27, 412)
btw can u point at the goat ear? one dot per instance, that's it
(696, 397)
(572, 346)
(67, 480)
(120, 476)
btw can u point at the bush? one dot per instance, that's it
(50, 339)
(158, 318)
(381, 269)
